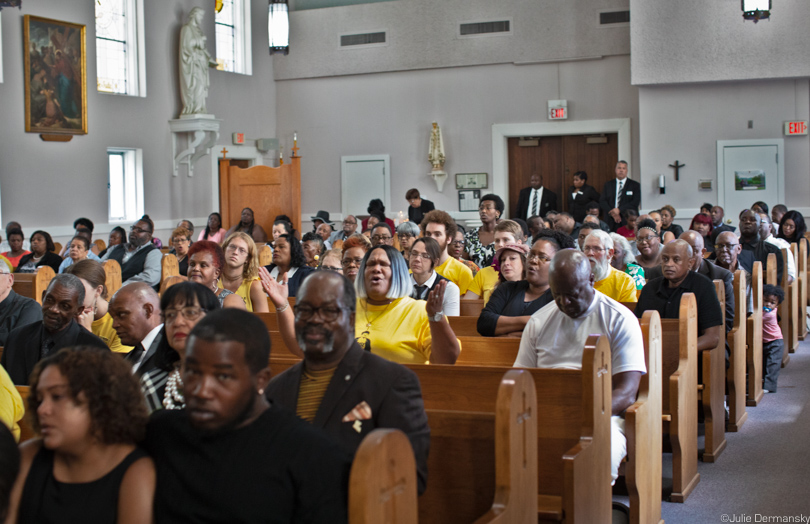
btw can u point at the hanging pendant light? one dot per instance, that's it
(278, 27)
(756, 10)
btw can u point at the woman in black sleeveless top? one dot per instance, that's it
(86, 467)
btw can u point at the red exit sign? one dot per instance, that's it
(238, 138)
(796, 128)
(558, 113)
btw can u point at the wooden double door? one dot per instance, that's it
(556, 159)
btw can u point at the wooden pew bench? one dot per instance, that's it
(753, 352)
(26, 429)
(464, 326)
(112, 271)
(471, 308)
(712, 388)
(33, 285)
(736, 339)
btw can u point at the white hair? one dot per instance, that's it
(603, 237)
(626, 249)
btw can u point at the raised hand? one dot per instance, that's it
(436, 298)
(277, 291)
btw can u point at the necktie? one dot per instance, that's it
(418, 291)
(46, 346)
(536, 205)
(619, 187)
(135, 355)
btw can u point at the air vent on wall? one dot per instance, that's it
(614, 17)
(362, 39)
(483, 28)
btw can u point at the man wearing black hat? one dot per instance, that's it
(321, 217)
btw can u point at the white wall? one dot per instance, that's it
(698, 40)
(423, 34)
(47, 184)
(391, 113)
(684, 122)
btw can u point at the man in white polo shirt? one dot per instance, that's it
(555, 337)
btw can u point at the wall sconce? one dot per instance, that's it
(278, 27)
(662, 184)
(756, 10)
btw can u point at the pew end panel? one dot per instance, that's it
(33, 285)
(737, 338)
(753, 357)
(112, 271)
(169, 267)
(801, 269)
(713, 395)
(792, 299)
(382, 483)
(643, 428)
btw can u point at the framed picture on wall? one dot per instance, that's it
(55, 76)
(471, 180)
(468, 199)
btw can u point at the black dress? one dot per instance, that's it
(48, 259)
(509, 299)
(45, 500)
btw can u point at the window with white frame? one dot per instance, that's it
(233, 37)
(120, 67)
(125, 184)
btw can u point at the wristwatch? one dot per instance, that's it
(437, 317)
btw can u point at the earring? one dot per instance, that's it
(261, 392)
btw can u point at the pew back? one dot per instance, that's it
(26, 429)
(112, 272)
(471, 308)
(736, 338)
(464, 326)
(488, 351)
(753, 357)
(33, 285)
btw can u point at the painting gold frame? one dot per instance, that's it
(56, 107)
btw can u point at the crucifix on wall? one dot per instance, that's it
(677, 167)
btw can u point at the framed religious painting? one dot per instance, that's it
(55, 76)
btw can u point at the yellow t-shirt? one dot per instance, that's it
(456, 272)
(103, 329)
(618, 285)
(399, 331)
(484, 283)
(243, 291)
(12, 408)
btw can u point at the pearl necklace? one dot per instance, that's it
(173, 398)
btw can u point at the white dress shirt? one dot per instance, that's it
(537, 196)
(451, 306)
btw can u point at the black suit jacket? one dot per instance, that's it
(17, 311)
(584, 196)
(390, 389)
(629, 199)
(150, 360)
(24, 346)
(548, 202)
(722, 228)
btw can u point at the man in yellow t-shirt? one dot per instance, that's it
(441, 227)
(618, 285)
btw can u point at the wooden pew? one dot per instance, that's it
(170, 281)
(169, 267)
(464, 326)
(26, 428)
(792, 301)
(801, 270)
(33, 285)
(736, 338)
(679, 369)
(382, 483)
(265, 255)
(753, 353)
(488, 351)
(471, 308)
(573, 438)
(112, 272)
(57, 248)
(713, 388)
(100, 245)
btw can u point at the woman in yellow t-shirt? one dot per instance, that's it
(95, 317)
(241, 272)
(390, 323)
(507, 232)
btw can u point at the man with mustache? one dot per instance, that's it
(618, 285)
(139, 258)
(340, 388)
(26, 345)
(555, 337)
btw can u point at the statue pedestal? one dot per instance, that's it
(440, 177)
(201, 132)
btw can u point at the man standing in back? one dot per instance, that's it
(535, 200)
(618, 195)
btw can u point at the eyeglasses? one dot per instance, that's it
(349, 223)
(136, 229)
(349, 261)
(540, 258)
(592, 249)
(459, 243)
(383, 238)
(178, 241)
(423, 256)
(190, 313)
(404, 237)
(725, 247)
(306, 312)
(332, 268)
(645, 240)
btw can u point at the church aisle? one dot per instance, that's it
(763, 472)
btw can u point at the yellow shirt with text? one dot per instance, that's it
(399, 332)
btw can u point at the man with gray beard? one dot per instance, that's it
(618, 285)
(340, 388)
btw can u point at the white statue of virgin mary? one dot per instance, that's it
(194, 64)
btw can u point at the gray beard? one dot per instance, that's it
(328, 344)
(600, 269)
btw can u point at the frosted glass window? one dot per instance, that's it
(232, 26)
(125, 184)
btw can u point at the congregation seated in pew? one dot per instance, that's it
(181, 242)
(287, 468)
(339, 387)
(78, 249)
(750, 223)
(354, 249)
(555, 335)
(240, 274)
(206, 262)
(27, 345)
(289, 263)
(728, 254)
(513, 303)
(624, 261)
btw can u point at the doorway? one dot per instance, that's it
(556, 159)
(749, 171)
(362, 179)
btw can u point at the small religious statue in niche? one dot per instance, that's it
(436, 153)
(194, 64)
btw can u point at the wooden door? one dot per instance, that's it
(269, 191)
(556, 159)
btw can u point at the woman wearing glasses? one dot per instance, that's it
(240, 274)
(424, 255)
(182, 306)
(181, 241)
(206, 261)
(513, 303)
(354, 249)
(480, 241)
(457, 247)
(506, 232)
(648, 243)
(407, 232)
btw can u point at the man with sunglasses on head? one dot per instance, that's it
(340, 388)
(139, 257)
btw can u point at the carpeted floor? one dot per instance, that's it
(765, 469)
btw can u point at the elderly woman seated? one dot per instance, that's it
(206, 261)
(425, 254)
(78, 250)
(354, 249)
(332, 260)
(313, 247)
(181, 241)
(407, 232)
(513, 303)
(623, 260)
(648, 243)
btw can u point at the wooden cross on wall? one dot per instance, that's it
(677, 167)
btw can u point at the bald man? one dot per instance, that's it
(663, 294)
(555, 337)
(135, 310)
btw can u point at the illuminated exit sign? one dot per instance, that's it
(238, 138)
(796, 128)
(557, 109)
